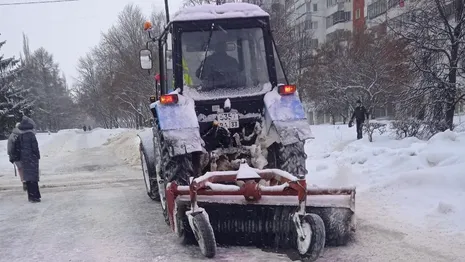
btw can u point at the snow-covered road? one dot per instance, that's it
(95, 208)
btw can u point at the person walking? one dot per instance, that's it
(11, 149)
(27, 151)
(359, 114)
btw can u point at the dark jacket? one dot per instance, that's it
(27, 150)
(359, 113)
(219, 69)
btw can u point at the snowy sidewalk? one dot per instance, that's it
(410, 193)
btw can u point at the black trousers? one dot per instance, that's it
(33, 190)
(359, 124)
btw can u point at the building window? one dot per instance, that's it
(330, 3)
(301, 10)
(314, 25)
(315, 7)
(376, 9)
(357, 14)
(338, 17)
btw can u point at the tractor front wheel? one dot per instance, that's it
(312, 244)
(204, 235)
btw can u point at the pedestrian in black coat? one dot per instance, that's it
(359, 114)
(27, 151)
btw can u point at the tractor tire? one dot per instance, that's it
(311, 248)
(204, 235)
(290, 158)
(149, 173)
(177, 168)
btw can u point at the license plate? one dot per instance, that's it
(228, 120)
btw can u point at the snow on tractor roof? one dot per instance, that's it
(210, 11)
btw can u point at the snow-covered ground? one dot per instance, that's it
(410, 188)
(422, 181)
(94, 206)
(409, 201)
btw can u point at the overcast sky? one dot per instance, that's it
(67, 30)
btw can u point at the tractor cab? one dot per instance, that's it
(214, 53)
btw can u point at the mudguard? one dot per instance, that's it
(285, 119)
(146, 139)
(179, 126)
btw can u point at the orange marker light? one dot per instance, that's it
(169, 99)
(147, 25)
(287, 89)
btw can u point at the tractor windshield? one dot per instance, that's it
(229, 62)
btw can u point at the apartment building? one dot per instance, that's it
(325, 20)
(381, 11)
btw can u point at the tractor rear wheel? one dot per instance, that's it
(149, 173)
(176, 168)
(290, 158)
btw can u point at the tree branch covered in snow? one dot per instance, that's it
(111, 87)
(370, 127)
(435, 32)
(363, 66)
(51, 104)
(13, 99)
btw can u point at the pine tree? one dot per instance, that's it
(52, 105)
(12, 102)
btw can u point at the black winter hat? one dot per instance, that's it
(358, 102)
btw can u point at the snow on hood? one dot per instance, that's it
(226, 93)
(211, 11)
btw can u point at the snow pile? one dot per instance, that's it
(211, 11)
(126, 147)
(71, 140)
(6, 168)
(422, 181)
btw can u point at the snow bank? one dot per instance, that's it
(71, 140)
(126, 147)
(6, 168)
(211, 11)
(65, 142)
(420, 181)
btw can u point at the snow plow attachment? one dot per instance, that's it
(267, 208)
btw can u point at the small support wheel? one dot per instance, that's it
(311, 247)
(204, 235)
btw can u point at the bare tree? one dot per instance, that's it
(362, 66)
(198, 2)
(435, 32)
(111, 86)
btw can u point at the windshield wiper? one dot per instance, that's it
(206, 49)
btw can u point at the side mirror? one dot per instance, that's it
(145, 56)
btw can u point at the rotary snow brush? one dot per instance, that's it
(267, 208)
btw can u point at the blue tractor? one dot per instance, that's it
(225, 157)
